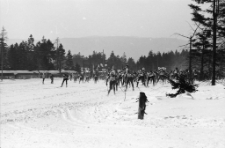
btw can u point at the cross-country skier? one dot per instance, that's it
(141, 77)
(182, 85)
(81, 77)
(151, 77)
(52, 78)
(112, 80)
(95, 77)
(65, 78)
(43, 78)
(176, 73)
(128, 77)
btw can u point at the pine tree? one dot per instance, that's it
(61, 56)
(131, 63)
(201, 16)
(201, 44)
(111, 60)
(31, 55)
(69, 61)
(124, 58)
(79, 59)
(3, 47)
(22, 56)
(77, 68)
(12, 58)
(45, 52)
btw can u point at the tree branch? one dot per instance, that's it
(182, 35)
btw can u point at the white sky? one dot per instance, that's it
(81, 18)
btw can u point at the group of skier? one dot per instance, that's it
(44, 76)
(127, 78)
(124, 78)
(71, 76)
(65, 78)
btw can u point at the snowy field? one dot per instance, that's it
(34, 115)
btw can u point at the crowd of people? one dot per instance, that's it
(125, 78)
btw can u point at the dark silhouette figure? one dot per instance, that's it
(81, 78)
(65, 78)
(182, 85)
(95, 78)
(43, 78)
(52, 78)
(141, 77)
(128, 78)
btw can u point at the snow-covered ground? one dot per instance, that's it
(34, 115)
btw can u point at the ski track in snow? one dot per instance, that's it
(82, 115)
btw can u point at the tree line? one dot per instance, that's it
(46, 55)
(150, 62)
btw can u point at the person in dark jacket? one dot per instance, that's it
(65, 78)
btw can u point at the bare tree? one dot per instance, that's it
(190, 45)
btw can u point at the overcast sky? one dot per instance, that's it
(81, 18)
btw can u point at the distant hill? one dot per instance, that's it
(132, 46)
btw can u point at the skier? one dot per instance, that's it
(95, 77)
(43, 78)
(112, 80)
(87, 78)
(81, 77)
(182, 85)
(150, 78)
(128, 77)
(141, 77)
(65, 78)
(107, 78)
(162, 75)
(176, 73)
(52, 78)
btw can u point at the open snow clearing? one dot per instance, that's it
(34, 115)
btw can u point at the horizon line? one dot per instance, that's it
(100, 36)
